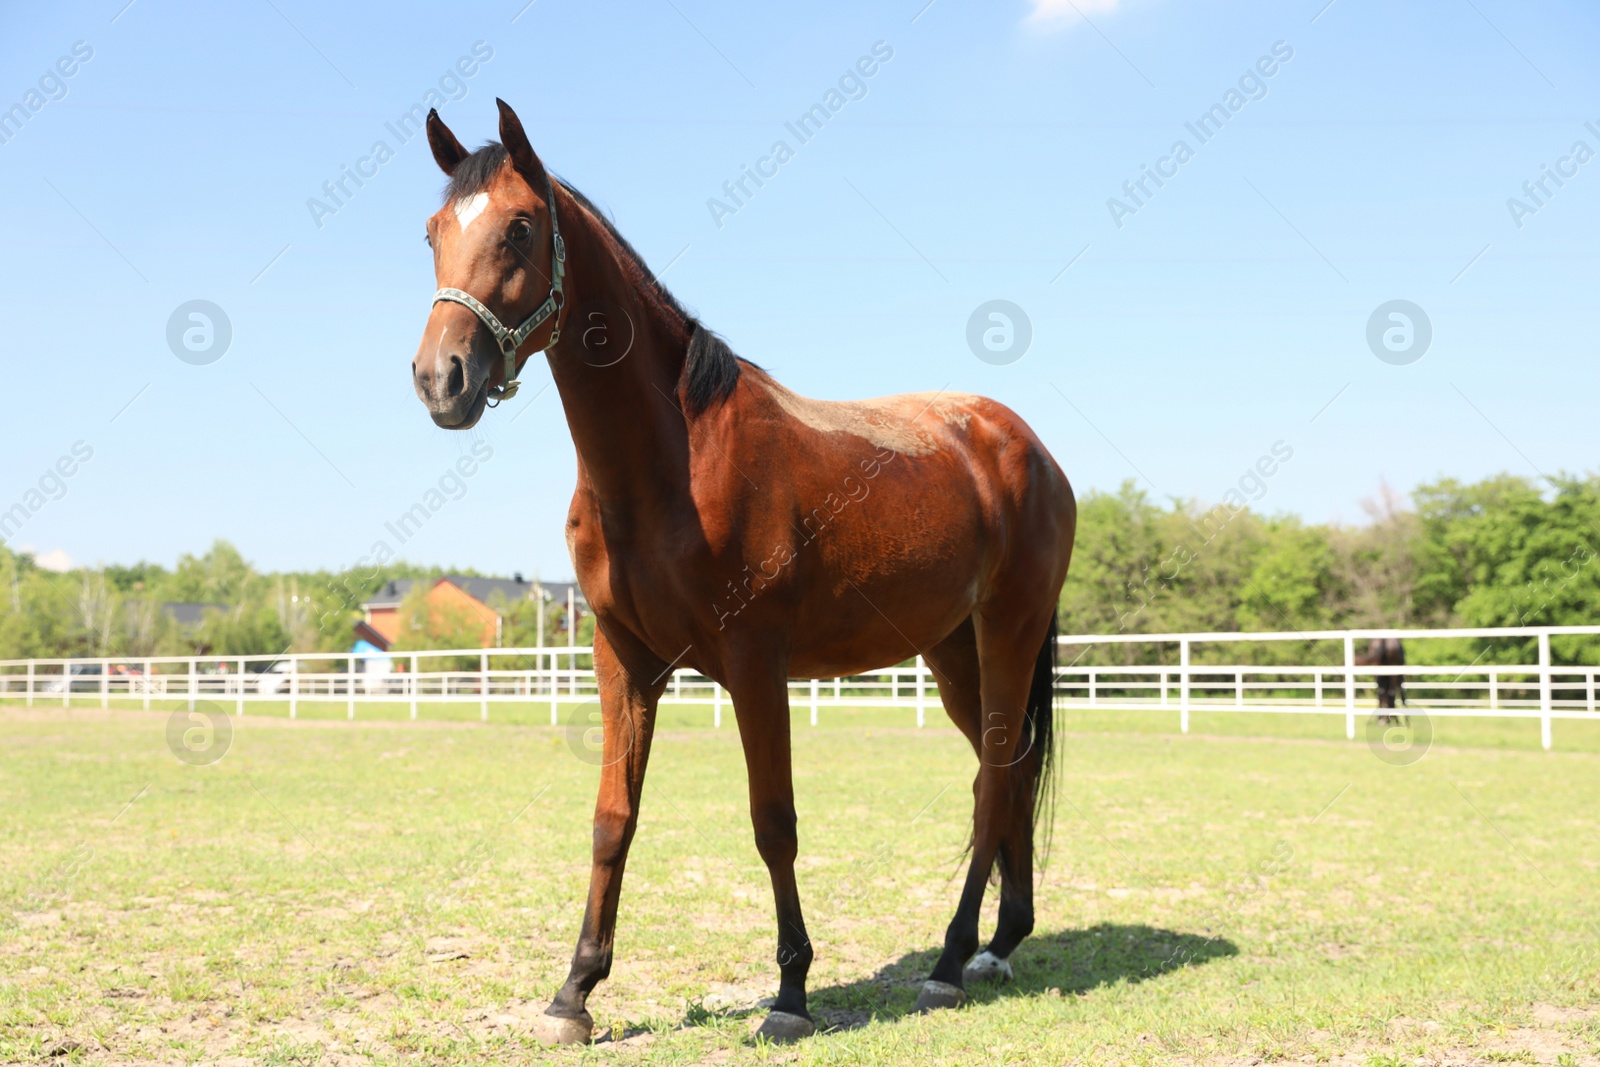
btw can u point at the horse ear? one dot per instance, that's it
(516, 141)
(447, 151)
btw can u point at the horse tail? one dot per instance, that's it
(1040, 718)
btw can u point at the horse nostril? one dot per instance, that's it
(458, 377)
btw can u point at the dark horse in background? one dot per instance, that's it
(1386, 652)
(724, 523)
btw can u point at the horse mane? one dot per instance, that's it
(710, 368)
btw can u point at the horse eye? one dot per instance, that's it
(519, 231)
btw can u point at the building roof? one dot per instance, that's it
(482, 589)
(556, 592)
(365, 634)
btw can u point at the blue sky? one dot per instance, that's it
(1226, 314)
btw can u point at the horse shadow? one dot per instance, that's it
(1065, 963)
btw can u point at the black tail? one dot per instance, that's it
(1041, 732)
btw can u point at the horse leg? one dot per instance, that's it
(954, 662)
(1386, 702)
(1016, 880)
(761, 704)
(1006, 659)
(628, 715)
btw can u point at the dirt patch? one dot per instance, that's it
(1556, 1040)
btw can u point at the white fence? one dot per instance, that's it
(1542, 691)
(557, 676)
(562, 676)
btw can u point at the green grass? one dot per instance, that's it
(1569, 735)
(402, 892)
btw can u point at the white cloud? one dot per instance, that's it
(54, 560)
(1058, 12)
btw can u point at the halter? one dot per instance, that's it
(508, 339)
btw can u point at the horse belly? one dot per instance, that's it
(880, 591)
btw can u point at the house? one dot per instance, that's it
(477, 597)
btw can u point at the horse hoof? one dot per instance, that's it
(782, 1027)
(559, 1030)
(936, 995)
(987, 967)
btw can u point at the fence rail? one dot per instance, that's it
(564, 677)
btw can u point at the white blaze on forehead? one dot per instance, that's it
(467, 210)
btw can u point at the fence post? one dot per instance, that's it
(350, 688)
(814, 689)
(1349, 688)
(148, 671)
(1183, 685)
(240, 708)
(193, 681)
(294, 688)
(414, 681)
(1545, 690)
(30, 688)
(105, 683)
(66, 684)
(922, 695)
(1094, 687)
(716, 705)
(483, 687)
(1317, 682)
(555, 697)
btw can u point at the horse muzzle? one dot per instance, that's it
(453, 390)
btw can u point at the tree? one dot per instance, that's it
(1376, 568)
(1500, 553)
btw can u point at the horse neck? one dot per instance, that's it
(625, 419)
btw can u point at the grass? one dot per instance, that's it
(1569, 734)
(395, 892)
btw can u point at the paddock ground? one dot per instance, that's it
(387, 891)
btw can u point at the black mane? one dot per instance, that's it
(473, 174)
(710, 369)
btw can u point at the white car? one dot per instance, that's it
(75, 671)
(274, 680)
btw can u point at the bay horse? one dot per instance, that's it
(1386, 652)
(724, 523)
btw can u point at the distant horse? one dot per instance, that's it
(1386, 652)
(724, 523)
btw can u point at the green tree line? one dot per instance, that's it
(1500, 552)
(1496, 553)
(119, 611)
